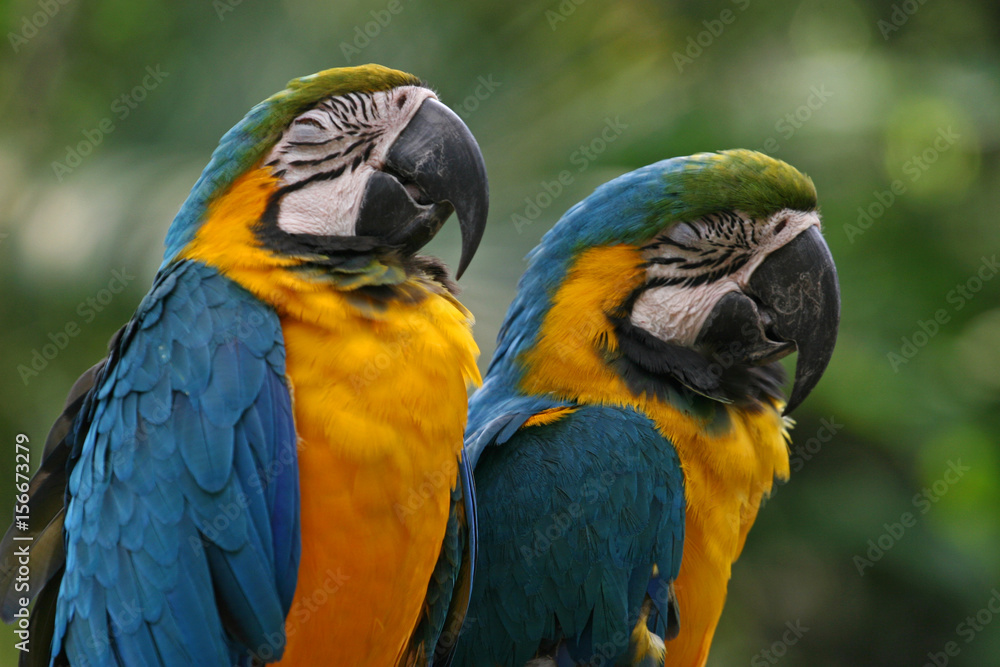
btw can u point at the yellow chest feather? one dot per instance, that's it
(380, 409)
(380, 397)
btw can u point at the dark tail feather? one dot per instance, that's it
(46, 509)
(64, 422)
(42, 627)
(664, 615)
(46, 501)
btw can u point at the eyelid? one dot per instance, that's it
(303, 130)
(683, 232)
(310, 119)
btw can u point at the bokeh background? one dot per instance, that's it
(110, 108)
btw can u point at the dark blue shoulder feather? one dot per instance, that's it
(495, 415)
(573, 515)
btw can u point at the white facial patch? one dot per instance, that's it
(326, 156)
(696, 263)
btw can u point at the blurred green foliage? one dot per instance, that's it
(892, 108)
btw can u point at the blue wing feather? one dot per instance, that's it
(572, 517)
(495, 415)
(182, 522)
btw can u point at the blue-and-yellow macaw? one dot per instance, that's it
(278, 430)
(631, 419)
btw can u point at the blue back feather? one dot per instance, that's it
(572, 517)
(182, 527)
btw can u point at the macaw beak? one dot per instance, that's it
(433, 168)
(797, 292)
(792, 302)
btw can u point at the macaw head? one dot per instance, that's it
(351, 158)
(699, 271)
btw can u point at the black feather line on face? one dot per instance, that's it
(316, 250)
(330, 253)
(699, 375)
(354, 115)
(658, 368)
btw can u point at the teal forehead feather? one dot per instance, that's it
(250, 139)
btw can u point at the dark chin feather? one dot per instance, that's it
(330, 253)
(653, 366)
(433, 269)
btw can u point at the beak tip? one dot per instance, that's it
(470, 243)
(472, 218)
(809, 369)
(793, 402)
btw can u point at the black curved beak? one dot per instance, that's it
(792, 302)
(433, 168)
(798, 296)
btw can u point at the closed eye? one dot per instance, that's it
(309, 131)
(684, 233)
(306, 120)
(310, 143)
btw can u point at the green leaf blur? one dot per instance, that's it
(887, 538)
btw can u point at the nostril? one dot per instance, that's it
(766, 318)
(412, 189)
(416, 194)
